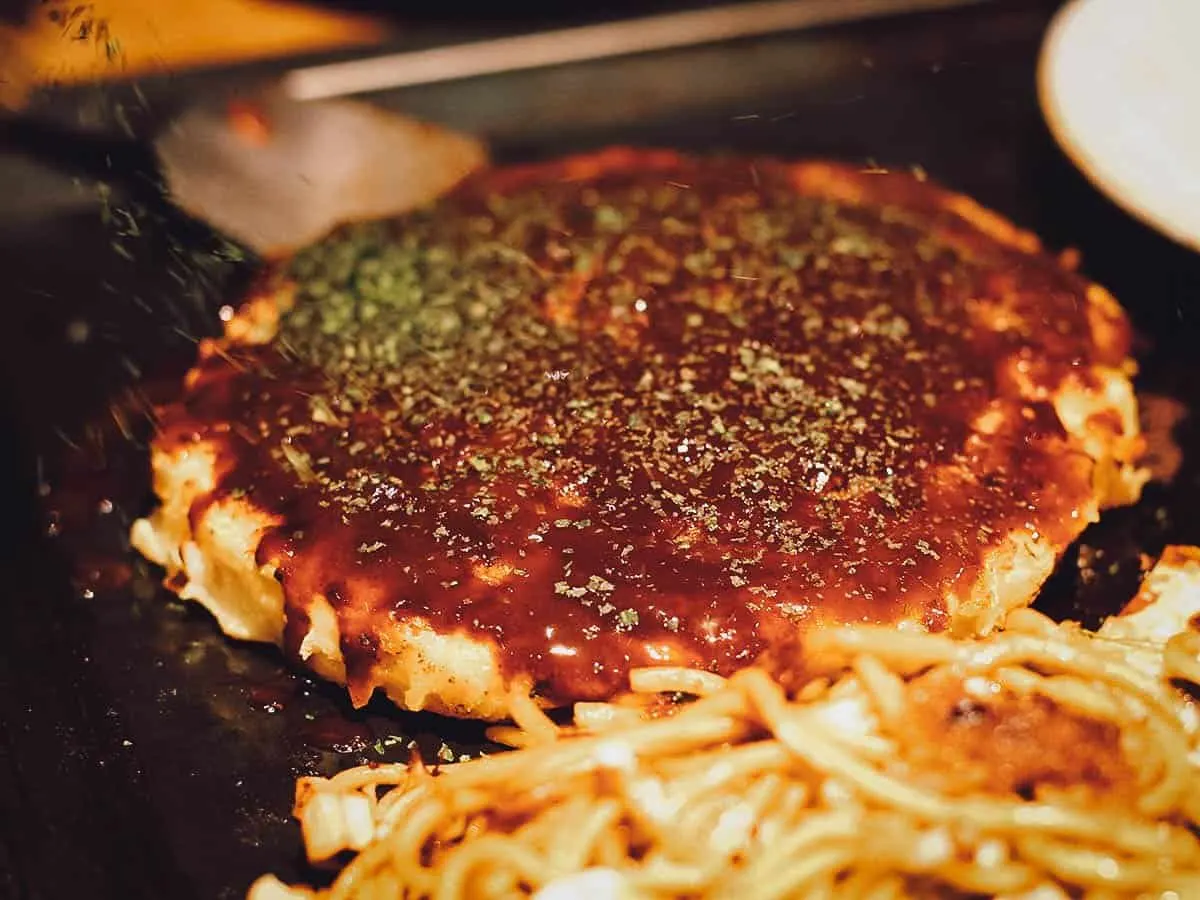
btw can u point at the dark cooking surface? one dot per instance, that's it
(141, 754)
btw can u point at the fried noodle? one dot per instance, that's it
(1039, 762)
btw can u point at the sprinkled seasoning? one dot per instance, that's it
(661, 412)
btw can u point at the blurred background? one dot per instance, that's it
(68, 42)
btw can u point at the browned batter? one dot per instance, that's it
(1004, 743)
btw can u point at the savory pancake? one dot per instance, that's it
(635, 409)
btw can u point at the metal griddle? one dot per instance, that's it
(141, 753)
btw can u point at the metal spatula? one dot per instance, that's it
(278, 168)
(276, 173)
(268, 172)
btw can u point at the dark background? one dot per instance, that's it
(538, 12)
(142, 755)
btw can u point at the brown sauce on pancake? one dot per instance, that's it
(666, 414)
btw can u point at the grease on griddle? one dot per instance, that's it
(337, 734)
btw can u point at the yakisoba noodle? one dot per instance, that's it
(811, 775)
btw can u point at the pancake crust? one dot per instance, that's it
(633, 409)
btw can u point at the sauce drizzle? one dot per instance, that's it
(666, 413)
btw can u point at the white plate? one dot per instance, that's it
(1119, 83)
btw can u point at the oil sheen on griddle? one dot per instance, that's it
(661, 416)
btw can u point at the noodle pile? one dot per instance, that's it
(1041, 763)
